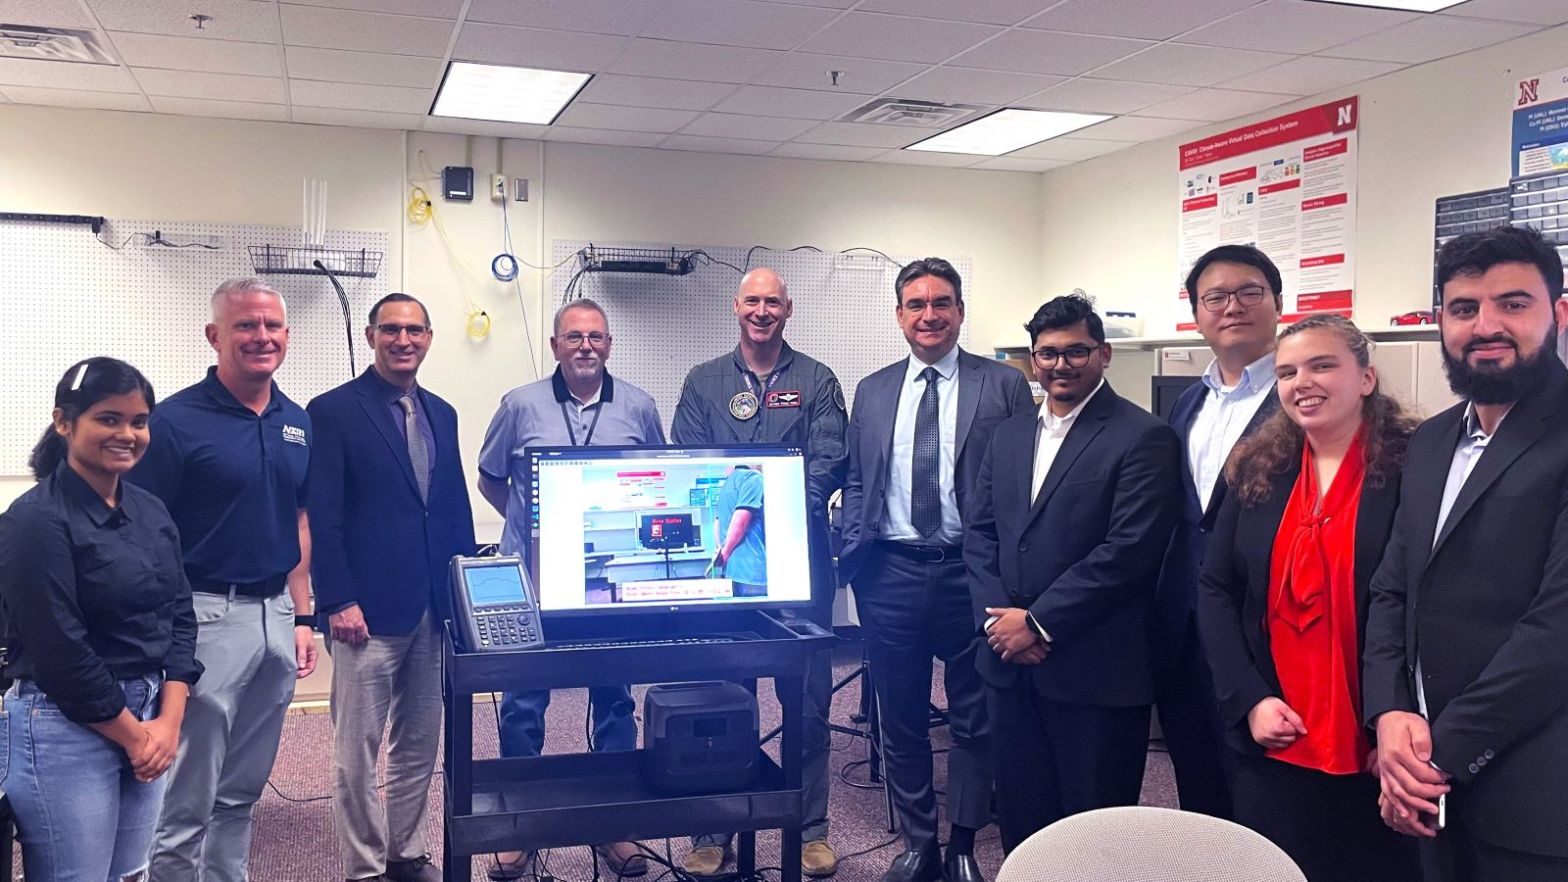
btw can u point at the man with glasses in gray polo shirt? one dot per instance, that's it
(580, 405)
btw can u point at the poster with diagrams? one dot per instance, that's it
(1286, 185)
(1540, 125)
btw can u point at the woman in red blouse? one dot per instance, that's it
(1283, 601)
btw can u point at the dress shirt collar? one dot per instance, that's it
(946, 366)
(388, 391)
(1256, 377)
(1052, 422)
(80, 494)
(1472, 424)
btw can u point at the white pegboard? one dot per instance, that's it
(663, 325)
(69, 297)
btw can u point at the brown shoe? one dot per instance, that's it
(817, 859)
(511, 865)
(625, 859)
(704, 860)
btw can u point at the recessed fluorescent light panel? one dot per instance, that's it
(1405, 5)
(506, 94)
(1006, 131)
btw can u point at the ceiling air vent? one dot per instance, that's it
(52, 44)
(910, 112)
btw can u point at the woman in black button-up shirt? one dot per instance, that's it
(100, 637)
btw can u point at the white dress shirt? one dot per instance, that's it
(900, 474)
(1222, 418)
(1052, 430)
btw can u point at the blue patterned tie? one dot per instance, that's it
(925, 492)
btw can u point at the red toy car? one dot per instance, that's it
(1418, 317)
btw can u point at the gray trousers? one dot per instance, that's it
(229, 738)
(396, 679)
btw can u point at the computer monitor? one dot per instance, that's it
(1166, 389)
(656, 519)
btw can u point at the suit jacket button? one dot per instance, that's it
(1474, 768)
(1488, 753)
(1480, 761)
(1023, 546)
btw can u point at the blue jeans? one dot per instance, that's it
(522, 720)
(80, 812)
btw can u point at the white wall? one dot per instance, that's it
(1110, 224)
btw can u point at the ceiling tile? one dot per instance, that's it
(1013, 162)
(826, 4)
(757, 128)
(1158, 20)
(653, 92)
(485, 127)
(1299, 26)
(195, 53)
(1215, 105)
(1310, 74)
(531, 47)
(895, 38)
(630, 119)
(928, 157)
(334, 65)
(1002, 12)
(974, 86)
(1139, 128)
(622, 17)
(797, 150)
(737, 23)
(864, 135)
(1069, 149)
(357, 96)
(862, 76)
(231, 19)
(66, 75)
(1543, 12)
(1047, 52)
(44, 14)
(1085, 95)
(1190, 65)
(448, 9)
(364, 31)
(225, 109)
(692, 61)
(361, 119)
(604, 136)
(716, 145)
(791, 103)
(75, 98)
(219, 87)
(1429, 38)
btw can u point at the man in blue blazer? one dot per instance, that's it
(389, 509)
(918, 430)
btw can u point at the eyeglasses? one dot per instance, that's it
(596, 339)
(1248, 297)
(415, 332)
(1075, 356)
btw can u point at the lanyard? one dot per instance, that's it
(598, 408)
(751, 382)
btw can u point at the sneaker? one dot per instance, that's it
(817, 859)
(705, 860)
(419, 869)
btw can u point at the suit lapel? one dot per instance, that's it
(1181, 420)
(1520, 429)
(1264, 411)
(971, 386)
(380, 414)
(1090, 423)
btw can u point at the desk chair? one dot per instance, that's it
(1146, 844)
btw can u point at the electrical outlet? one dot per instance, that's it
(498, 188)
(520, 189)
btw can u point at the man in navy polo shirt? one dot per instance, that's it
(228, 457)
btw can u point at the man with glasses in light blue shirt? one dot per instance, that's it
(1234, 292)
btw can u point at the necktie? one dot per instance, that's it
(418, 454)
(925, 496)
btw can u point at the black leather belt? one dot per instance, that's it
(921, 553)
(265, 588)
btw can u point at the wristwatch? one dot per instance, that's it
(305, 621)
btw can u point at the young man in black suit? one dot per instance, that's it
(1466, 671)
(1072, 510)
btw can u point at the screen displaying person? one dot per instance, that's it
(743, 556)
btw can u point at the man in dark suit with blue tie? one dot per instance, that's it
(1234, 292)
(389, 509)
(918, 430)
(1071, 510)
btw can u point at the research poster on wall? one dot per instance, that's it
(1540, 131)
(1286, 185)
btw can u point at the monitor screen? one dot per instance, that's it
(656, 520)
(494, 583)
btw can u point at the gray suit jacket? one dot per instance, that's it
(988, 393)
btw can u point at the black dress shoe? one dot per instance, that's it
(962, 868)
(913, 866)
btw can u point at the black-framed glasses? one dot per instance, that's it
(1075, 356)
(596, 339)
(1247, 295)
(415, 332)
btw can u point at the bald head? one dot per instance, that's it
(763, 281)
(762, 305)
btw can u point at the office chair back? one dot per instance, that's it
(1146, 844)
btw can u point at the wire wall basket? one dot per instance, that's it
(286, 260)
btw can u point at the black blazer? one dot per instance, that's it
(988, 392)
(1486, 608)
(1083, 555)
(1176, 599)
(1233, 593)
(373, 541)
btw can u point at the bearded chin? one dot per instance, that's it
(1504, 385)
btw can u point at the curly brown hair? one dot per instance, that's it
(1276, 446)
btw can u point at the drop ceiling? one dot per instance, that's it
(749, 76)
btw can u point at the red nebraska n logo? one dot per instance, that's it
(1529, 92)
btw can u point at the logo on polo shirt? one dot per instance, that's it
(294, 435)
